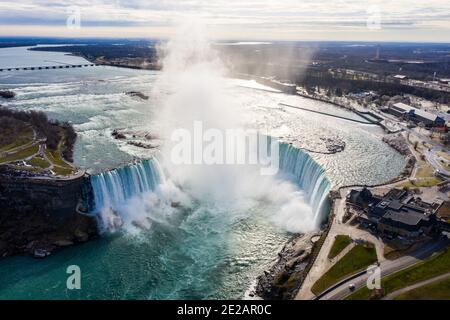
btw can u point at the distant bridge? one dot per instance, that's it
(66, 66)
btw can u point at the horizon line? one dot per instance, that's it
(219, 40)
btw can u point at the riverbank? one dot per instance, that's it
(96, 140)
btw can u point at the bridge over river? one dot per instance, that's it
(65, 66)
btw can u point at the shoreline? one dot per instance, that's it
(267, 282)
(286, 256)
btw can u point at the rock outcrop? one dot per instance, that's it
(137, 94)
(398, 142)
(283, 279)
(7, 94)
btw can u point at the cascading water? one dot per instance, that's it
(113, 189)
(310, 177)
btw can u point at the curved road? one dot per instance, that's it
(341, 290)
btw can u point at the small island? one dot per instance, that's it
(7, 94)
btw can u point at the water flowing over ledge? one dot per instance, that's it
(113, 188)
(310, 176)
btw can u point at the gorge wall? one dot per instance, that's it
(38, 216)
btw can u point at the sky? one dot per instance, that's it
(345, 20)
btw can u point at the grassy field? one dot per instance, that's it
(27, 152)
(436, 265)
(60, 166)
(55, 158)
(357, 259)
(340, 243)
(439, 290)
(63, 171)
(423, 182)
(38, 162)
(424, 177)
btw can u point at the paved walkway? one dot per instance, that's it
(396, 293)
(322, 263)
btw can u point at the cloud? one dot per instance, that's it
(241, 18)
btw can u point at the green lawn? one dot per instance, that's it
(20, 154)
(55, 157)
(357, 259)
(24, 168)
(60, 166)
(63, 171)
(340, 243)
(424, 177)
(436, 265)
(38, 162)
(439, 290)
(419, 183)
(15, 144)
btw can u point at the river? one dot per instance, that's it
(212, 250)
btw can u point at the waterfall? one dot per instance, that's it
(113, 188)
(310, 177)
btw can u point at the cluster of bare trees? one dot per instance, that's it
(45, 128)
(9, 129)
(70, 138)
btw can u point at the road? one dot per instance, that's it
(387, 267)
(417, 285)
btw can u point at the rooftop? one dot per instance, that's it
(405, 216)
(419, 112)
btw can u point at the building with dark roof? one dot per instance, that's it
(396, 213)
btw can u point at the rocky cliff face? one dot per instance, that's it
(283, 279)
(40, 216)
